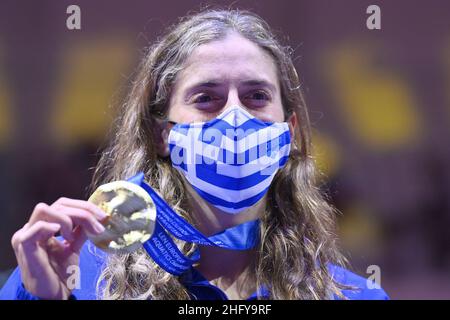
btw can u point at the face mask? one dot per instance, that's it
(230, 160)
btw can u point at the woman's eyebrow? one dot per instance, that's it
(259, 83)
(208, 84)
(191, 89)
(212, 83)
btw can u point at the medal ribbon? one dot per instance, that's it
(162, 249)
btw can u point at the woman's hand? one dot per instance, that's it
(44, 260)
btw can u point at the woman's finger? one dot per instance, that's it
(46, 213)
(81, 218)
(81, 204)
(80, 238)
(41, 231)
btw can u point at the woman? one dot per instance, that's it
(210, 67)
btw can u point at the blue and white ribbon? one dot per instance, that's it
(164, 251)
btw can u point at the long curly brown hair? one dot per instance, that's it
(297, 233)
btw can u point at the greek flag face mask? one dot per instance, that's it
(230, 160)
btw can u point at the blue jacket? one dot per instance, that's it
(91, 262)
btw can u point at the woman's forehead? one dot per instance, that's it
(233, 46)
(233, 58)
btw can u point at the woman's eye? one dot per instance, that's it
(203, 98)
(258, 98)
(259, 95)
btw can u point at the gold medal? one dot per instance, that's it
(131, 216)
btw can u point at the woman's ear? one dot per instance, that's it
(161, 135)
(292, 121)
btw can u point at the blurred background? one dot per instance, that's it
(379, 101)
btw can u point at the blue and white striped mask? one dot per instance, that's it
(230, 160)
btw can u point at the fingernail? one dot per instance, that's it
(56, 227)
(99, 228)
(101, 214)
